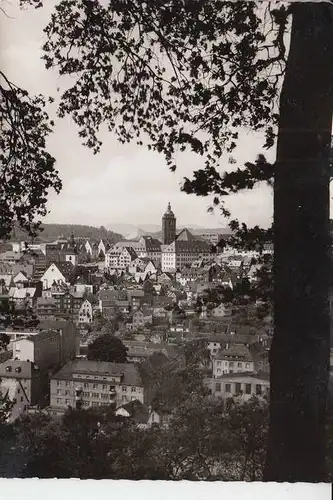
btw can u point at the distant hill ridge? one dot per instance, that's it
(132, 231)
(53, 231)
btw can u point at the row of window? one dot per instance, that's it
(257, 389)
(231, 370)
(231, 364)
(104, 387)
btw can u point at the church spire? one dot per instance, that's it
(168, 226)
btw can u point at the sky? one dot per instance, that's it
(123, 183)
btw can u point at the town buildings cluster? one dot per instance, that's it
(151, 294)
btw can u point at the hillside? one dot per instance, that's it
(133, 232)
(195, 232)
(53, 231)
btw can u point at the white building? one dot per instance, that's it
(236, 359)
(182, 253)
(86, 312)
(118, 258)
(82, 384)
(58, 274)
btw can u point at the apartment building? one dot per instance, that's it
(83, 384)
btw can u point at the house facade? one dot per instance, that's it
(86, 312)
(181, 253)
(236, 359)
(243, 385)
(83, 384)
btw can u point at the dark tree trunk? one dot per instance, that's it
(299, 355)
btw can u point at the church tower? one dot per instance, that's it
(168, 226)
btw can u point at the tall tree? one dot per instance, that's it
(107, 348)
(300, 349)
(184, 75)
(27, 170)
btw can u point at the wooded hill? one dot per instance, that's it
(53, 231)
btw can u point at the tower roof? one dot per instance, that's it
(169, 212)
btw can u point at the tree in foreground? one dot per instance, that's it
(185, 76)
(27, 170)
(205, 440)
(107, 348)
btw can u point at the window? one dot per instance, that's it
(104, 386)
(238, 388)
(66, 393)
(227, 388)
(247, 365)
(58, 401)
(248, 388)
(59, 392)
(218, 387)
(95, 395)
(132, 389)
(219, 362)
(239, 365)
(67, 402)
(95, 386)
(218, 371)
(21, 399)
(67, 384)
(104, 396)
(58, 382)
(124, 388)
(86, 394)
(124, 398)
(258, 389)
(18, 391)
(85, 385)
(231, 364)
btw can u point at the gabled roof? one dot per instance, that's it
(132, 252)
(83, 366)
(66, 268)
(137, 411)
(185, 235)
(25, 372)
(237, 352)
(151, 244)
(188, 246)
(260, 376)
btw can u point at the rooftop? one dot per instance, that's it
(240, 375)
(84, 366)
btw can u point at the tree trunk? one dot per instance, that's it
(299, 357)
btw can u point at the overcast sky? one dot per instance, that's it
(124, 183)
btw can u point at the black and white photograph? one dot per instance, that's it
(166, 246)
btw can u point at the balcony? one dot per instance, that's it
(78, 394)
